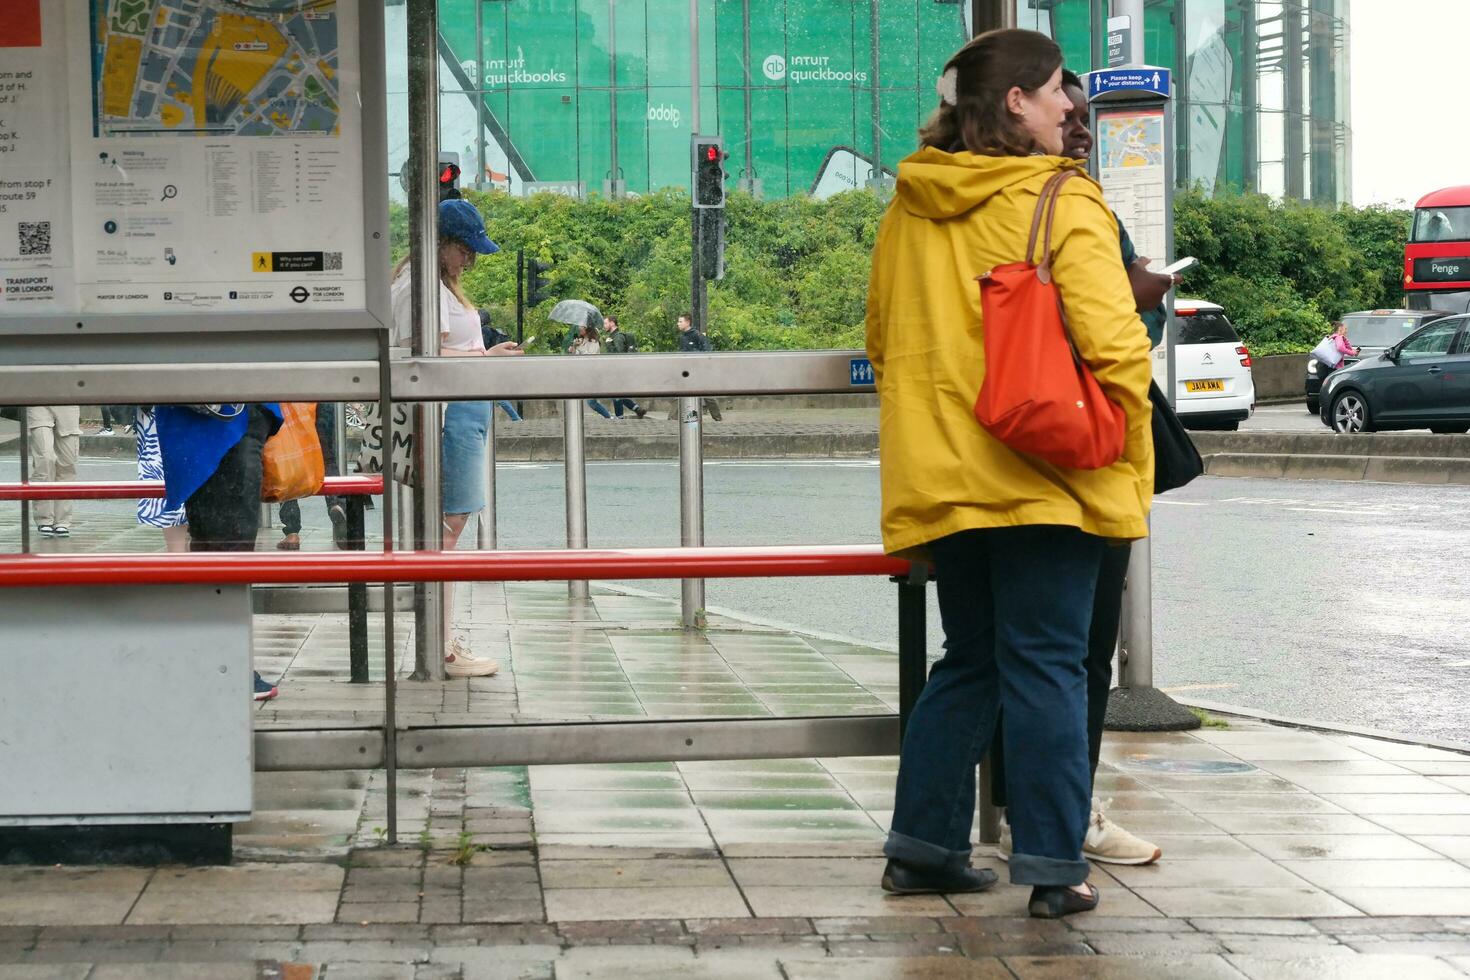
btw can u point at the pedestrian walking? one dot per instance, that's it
(465, 436)
(155, 511)
(693, 340)
(588, 342)
(1016, 542)
(213, 465)
(1334, 349)
(1105, 841)
(326, 434)
(616, 340)
(119, 416)
(55, 435)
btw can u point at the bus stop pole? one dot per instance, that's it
(390, 592)
(485, 526)
(573, 434)
(1138, 96)
(23, 444)
(423, 139)
(691, 449)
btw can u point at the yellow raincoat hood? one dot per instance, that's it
(955, 216)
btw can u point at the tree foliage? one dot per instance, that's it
(797, 268)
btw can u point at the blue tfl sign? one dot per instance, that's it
(1152, 81)
(861, 371)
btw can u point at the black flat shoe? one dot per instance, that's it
(899, 879)
(1055, 901)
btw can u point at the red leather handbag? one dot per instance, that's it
(1038, 397)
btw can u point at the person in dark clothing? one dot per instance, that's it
(692, 340)
(213, 465)
(1106, 841)
(326, 434)
(494, 338)
(616, 340)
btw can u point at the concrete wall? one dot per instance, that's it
(1280, 376)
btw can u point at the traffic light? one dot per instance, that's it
(711, 242)
(538, 287)
(448, 177)
(709, 172)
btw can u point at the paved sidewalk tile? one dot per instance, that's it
(1362, 967)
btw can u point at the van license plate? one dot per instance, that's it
(1209, 384)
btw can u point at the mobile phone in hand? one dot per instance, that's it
(1180, 267)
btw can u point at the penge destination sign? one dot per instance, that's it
(1442, 269)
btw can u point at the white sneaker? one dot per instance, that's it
(461, 663)
(1108, 843)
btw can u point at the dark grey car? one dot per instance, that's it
(1371, 332)
(1422, 382)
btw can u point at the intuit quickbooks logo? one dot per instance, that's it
(665, 112)
(809, 68)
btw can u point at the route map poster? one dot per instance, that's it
(1131, 170)
(178, 156)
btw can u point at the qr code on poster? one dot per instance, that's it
(35, 238)
(333, 262)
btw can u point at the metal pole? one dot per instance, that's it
(691, 506)
(23, 444)
(612, 94)
(357, 594)
(749, 174)
(576, 480)
(485, 526)
(1133, 10)
(989, 812)
(423, 138)
(691, 452)
(390, 666)
(876, 106)
(480, 96)
(520, 312)
(1136, 650)
(990, 15)
(913, 641)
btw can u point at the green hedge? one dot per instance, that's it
(797, 269)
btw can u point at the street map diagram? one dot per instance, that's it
(215, 67)
(1132, 140)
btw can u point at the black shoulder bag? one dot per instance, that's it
(1176, 461)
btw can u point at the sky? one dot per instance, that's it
(1408, 78)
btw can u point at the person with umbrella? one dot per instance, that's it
(585, 317)
(465, 436)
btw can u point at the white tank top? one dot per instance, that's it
(459, 327)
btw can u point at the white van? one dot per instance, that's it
(1212, 386)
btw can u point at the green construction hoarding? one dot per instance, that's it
(562, 92)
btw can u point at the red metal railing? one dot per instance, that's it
(216, 568)
(339, 486)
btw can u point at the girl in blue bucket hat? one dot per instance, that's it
(462, 240)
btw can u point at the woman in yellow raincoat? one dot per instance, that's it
(1016, 542)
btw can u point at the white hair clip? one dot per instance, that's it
(948, 86)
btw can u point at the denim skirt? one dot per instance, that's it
(466, 428)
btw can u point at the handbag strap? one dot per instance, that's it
(1046, 206)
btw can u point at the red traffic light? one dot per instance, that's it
(712, 153)
(449, 173)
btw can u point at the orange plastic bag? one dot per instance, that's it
(293, 456)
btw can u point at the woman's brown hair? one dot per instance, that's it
(989, 67)
(450, 283)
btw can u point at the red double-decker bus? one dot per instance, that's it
(1437, 258)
